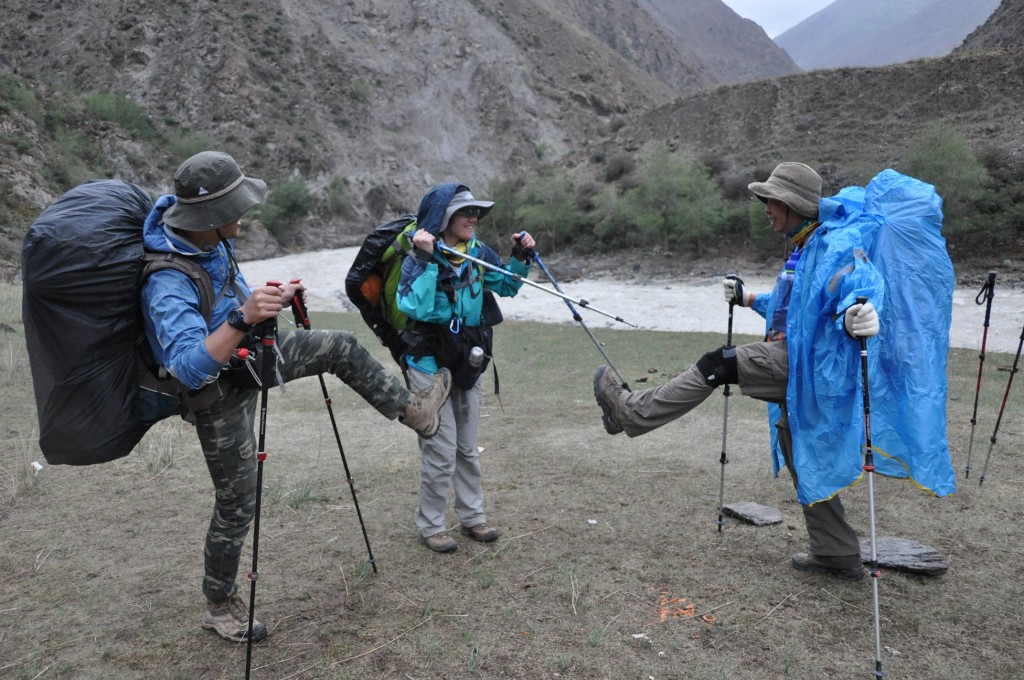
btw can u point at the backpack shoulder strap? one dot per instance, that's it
(154, 262)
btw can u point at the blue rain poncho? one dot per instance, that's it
(882, 242)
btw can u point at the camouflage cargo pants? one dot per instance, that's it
(228, 439)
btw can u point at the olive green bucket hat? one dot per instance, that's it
(794, 184)
(211, 192)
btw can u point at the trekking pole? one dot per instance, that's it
(986, 294)
(579, 319)
(992, 442)
(869, 467)
(267, 332)
(516, 277)
(302, 321)
(725, 420)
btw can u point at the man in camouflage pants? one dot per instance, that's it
(195, 341)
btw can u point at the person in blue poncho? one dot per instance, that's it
(807, 367)
(451, 300)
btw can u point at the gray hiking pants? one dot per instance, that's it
(450, 460)
(228, 439)
(763, 370)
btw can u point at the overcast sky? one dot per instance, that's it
(776, 16)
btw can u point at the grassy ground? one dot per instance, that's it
(610, 566)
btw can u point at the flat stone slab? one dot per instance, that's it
(903, 554)
(752, 513)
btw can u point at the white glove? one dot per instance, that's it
(734, 291)
(861, 321)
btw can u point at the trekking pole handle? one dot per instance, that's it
(299, 310)
(985, 296)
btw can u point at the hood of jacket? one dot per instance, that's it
(433, 205)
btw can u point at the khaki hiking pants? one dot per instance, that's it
(763, 370)
(449, 461)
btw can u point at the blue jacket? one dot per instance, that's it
(882, 242)
(419, 295)
(175, 328)
(823, 396)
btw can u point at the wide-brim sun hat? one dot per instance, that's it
(211, 192)
(795, 184)
(461, 200)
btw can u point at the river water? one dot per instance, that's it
(693, 305)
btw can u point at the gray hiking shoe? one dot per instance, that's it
(230, 620)
(442, 542)
(608, 393)
(422, 412)
(481, 532)
(844, 568)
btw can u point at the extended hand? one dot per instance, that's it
(735, 293)
(861, 321)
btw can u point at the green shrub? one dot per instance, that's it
(941, 157)
(183, 144)
(548, 209)
(122, 111)
(362, 90)
(338, 200)
(618, 167)
(15, 97)
(286, 204)
(612, 219)
(676, 202)
(501, 221)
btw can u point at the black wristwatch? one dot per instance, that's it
(237, 320)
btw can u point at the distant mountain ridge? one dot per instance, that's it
(853, 33)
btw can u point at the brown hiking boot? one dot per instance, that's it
(847, 568)
(442, 542)
(422, 412)
(481, 532)
(608, 393)
(230, 620)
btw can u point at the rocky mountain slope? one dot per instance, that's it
(389, 97)
(881, 32)
(1002, 30)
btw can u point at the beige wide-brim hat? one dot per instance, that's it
(211, 192)
(794, 184)
(462, 200)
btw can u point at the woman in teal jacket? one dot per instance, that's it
(450, 299)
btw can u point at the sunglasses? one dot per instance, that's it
(469, 211)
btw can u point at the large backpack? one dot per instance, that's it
(372, 282)
(82, 266)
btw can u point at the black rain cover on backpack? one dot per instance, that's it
(80, 264)
(368, 265)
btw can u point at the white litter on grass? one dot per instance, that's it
(641, 636)
(480, 449)
(591, 521)
(37, 466)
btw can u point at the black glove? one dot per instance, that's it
(524, 255)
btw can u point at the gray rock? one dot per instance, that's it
(753, 513)
(903, 554)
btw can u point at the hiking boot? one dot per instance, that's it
(230, 620)
(422, 412)
(481, 532)
(840, 567)
(442, 542)
(608, 393)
